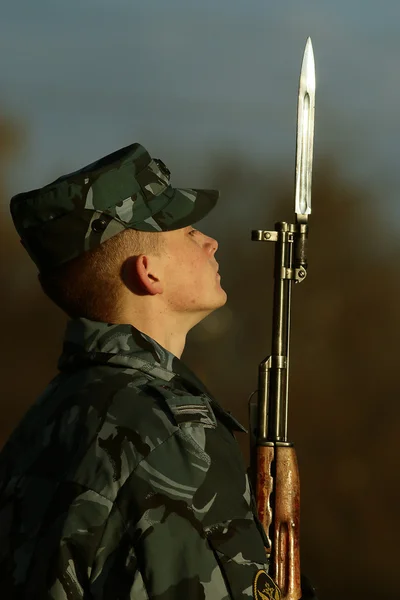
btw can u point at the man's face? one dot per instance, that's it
(190, 273)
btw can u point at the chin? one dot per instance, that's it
(219, 301)
(223, 293)
(224, 298)
(212, 306)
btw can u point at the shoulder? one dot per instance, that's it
(133, 420)
(155, 409)
(94, 427)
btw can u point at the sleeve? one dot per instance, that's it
(53, 559)
(82, 551)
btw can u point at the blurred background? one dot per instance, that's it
(211, 88)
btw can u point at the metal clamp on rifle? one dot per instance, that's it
(274, 463)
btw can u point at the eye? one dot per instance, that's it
(192, 231)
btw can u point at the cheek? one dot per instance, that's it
(194, 263)
(190, 271)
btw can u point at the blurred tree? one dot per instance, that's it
(31, 326)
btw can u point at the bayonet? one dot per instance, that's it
(304, 161)
(305, 135)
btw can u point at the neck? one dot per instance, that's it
(168, 330)
(170, 338)
(167, 326)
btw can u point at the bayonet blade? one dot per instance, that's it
(305, 135)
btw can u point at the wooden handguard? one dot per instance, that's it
(264, 489)
(278, 482)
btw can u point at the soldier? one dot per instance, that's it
(124, 480)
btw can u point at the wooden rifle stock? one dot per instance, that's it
(278, 505)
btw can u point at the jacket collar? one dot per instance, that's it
(92, 342)
(89, 342)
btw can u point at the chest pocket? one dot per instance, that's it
(239, 551)
(186, 409)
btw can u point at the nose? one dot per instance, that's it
(211, 245)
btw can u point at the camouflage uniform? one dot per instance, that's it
(127, 189)
(125, 481)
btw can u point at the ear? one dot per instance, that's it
(147, 275)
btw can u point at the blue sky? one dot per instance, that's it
(193, 80)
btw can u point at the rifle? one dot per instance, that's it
(274, 463)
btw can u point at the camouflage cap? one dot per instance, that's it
(127, 189)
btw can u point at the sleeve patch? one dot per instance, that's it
(188, 409)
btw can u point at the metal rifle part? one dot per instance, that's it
(305, 135)
(274, 462)
(290, 264)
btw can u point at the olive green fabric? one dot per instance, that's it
(79, 211)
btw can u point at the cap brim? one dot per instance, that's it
(184, 207)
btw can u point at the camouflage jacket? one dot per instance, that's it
(125, 481)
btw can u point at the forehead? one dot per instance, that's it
(178, 233)
(178, 238)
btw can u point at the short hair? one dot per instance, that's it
(90, 285)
